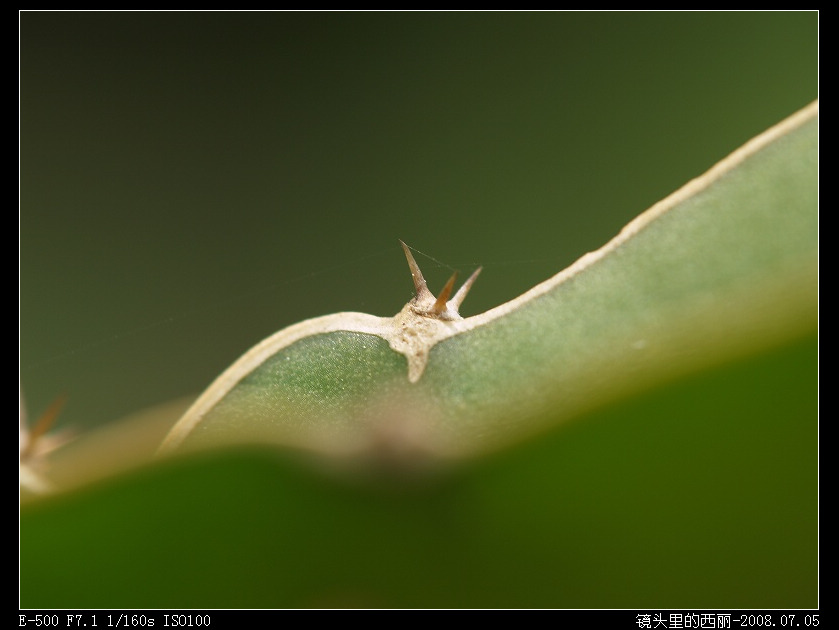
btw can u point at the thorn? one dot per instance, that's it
(445, 292)
(442, 307)
(458, 298)
(43, 424)
(420, 286)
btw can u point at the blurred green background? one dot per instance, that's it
(193, 182)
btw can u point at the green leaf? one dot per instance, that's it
(725, 265)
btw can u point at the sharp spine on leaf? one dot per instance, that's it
(441, 307)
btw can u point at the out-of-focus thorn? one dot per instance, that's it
(43, 425)
(36, 443)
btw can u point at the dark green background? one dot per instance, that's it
(193, 182)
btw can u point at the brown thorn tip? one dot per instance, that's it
(445, 292)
